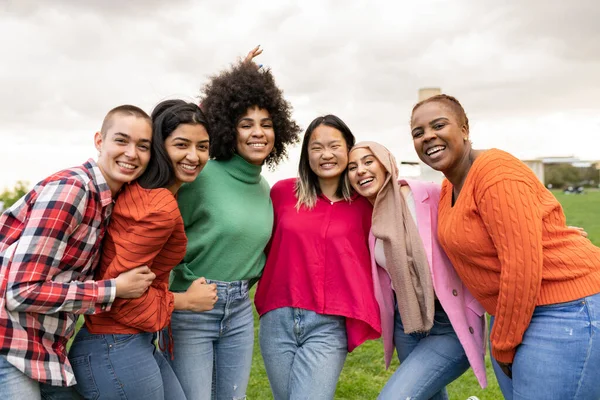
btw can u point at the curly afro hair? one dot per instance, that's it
(227, 97)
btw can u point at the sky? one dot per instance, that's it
(526, 71)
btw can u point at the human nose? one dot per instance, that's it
(131, 151)
(429, 134)
(193, 155)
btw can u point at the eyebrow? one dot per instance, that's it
(330, 143)
(362, 158)
(188, 140)
(438, 120)
(252, 120)
(126, 136)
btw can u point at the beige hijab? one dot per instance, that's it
(405, 257)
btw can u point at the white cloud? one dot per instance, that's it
(526, 71)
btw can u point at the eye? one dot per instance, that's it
(120, 140)
(245, 126)
(203, 147)
(335, 146)
(181, 145)
(368, 162)
(417, 134)
(351, 167)
(437, 127)
(267, 126)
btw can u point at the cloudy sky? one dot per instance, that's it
(526, 71)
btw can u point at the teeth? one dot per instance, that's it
(328, 165)
(257, 144)
(435, 150)
(364, 181)
(188, 167)
(126, 165)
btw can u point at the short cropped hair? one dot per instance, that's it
(126, 109)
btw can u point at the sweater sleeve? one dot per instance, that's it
(135, 245)
(510, 211)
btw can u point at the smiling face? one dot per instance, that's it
(327, 152)
(124, 150)
(255, 135)
(438, 136)
(365, 173)
(187, 147)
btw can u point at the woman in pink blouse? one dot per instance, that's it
(315, 297)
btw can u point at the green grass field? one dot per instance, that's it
(364, 374)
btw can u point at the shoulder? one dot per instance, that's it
(146, 204)
(495, 166)
(284, 186)
(431, 188)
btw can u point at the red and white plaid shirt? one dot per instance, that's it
(49, 248)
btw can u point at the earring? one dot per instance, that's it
(465, 139)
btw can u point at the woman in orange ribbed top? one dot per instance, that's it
(113, 355)
(506, 235)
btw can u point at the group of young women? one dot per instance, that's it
(346, 252)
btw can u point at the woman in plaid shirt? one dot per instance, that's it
(49, 243)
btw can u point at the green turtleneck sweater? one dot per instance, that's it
(228, 219)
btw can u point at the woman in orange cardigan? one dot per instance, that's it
(506, 236)
(113, 355)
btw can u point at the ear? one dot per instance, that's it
(464, 132)
(98, 140)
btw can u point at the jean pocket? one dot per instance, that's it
(86, 384)
(121, 338)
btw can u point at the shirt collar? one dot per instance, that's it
(99, 182)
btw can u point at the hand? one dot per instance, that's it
(506, 368)
(201, 296)
(251, 54)
(133, 283)
(579, 230)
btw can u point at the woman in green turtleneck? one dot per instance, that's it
(228, 219)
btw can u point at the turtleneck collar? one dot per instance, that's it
(242, 170)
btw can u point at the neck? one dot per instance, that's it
(329, 186)
(113, 186)
(175, 187)
(458, 175)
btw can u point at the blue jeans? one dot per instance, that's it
(559, 357)
(216, 343)
(304, 352)
(14, 384)
(427, 363)
(123, 366)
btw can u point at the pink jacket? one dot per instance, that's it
(465, 313)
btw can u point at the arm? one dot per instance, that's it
(509, 210)
(55, 215)
(138, 242)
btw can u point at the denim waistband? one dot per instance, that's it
(232, 288)
(112, 338)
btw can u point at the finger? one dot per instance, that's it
(201, 280)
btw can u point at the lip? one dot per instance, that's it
(438, 154)
(125, 170)
(188, 171)
(367, 184)
(328, 165)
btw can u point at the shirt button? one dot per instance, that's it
(471, 330)
(454, 293)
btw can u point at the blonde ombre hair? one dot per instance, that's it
(307, 185)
